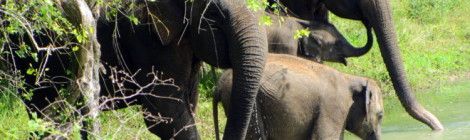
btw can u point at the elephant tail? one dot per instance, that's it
(215, 113)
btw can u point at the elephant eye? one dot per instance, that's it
(380, 115)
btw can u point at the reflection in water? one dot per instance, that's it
(451, 104)
(453, 131)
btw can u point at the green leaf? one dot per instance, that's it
(35, 56)
(68, 72)
(134, 19)
(301, 33)
(266, 20)
(23, 51)
(30, 71)
(75, 48)
(256, 5)
(28, 95)
(79, 35)
(20, 53)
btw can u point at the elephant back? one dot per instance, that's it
(285, 96)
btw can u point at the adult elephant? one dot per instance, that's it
(377, 14)
(222, 33)
(173, 38)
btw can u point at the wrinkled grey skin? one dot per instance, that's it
(378, 15)
(299, 99)
(324, 43)
(222, 33)
(172, 39)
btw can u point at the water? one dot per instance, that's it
(450, 103)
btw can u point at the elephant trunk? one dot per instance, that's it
(373, 136)
(351, 51)
(378, 14)
(247, 49)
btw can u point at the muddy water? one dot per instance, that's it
(450, 103)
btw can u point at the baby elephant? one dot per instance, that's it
(324, 43)
(299, 99)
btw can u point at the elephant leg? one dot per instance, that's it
(181, 123)
(114, 87)
(169, 119)
(331, 120)
(167, 109)
(193, 83)
(170, 115)
(193, 99)
(326, 129)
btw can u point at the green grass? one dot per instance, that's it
(434, 38)
(432, 48)
(13, 117)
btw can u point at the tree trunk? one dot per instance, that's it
(82, 16)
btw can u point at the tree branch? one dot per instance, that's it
(81, 15)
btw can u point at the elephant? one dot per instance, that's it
(222, 33)
(300, 99)
(171, 40)
(378, 15)
(324, 43)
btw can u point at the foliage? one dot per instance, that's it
(301, 33)
(26, 28)
(257, 5)
(266, 20)
(113, 8)
(29, 28)
(42, 17)
(261, 5)
(207, 81)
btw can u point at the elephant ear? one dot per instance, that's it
(310, 48)
(318, 38)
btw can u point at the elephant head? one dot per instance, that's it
(378, 15)
(365, 115)
(326, 43)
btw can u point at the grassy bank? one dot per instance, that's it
(434, 38)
